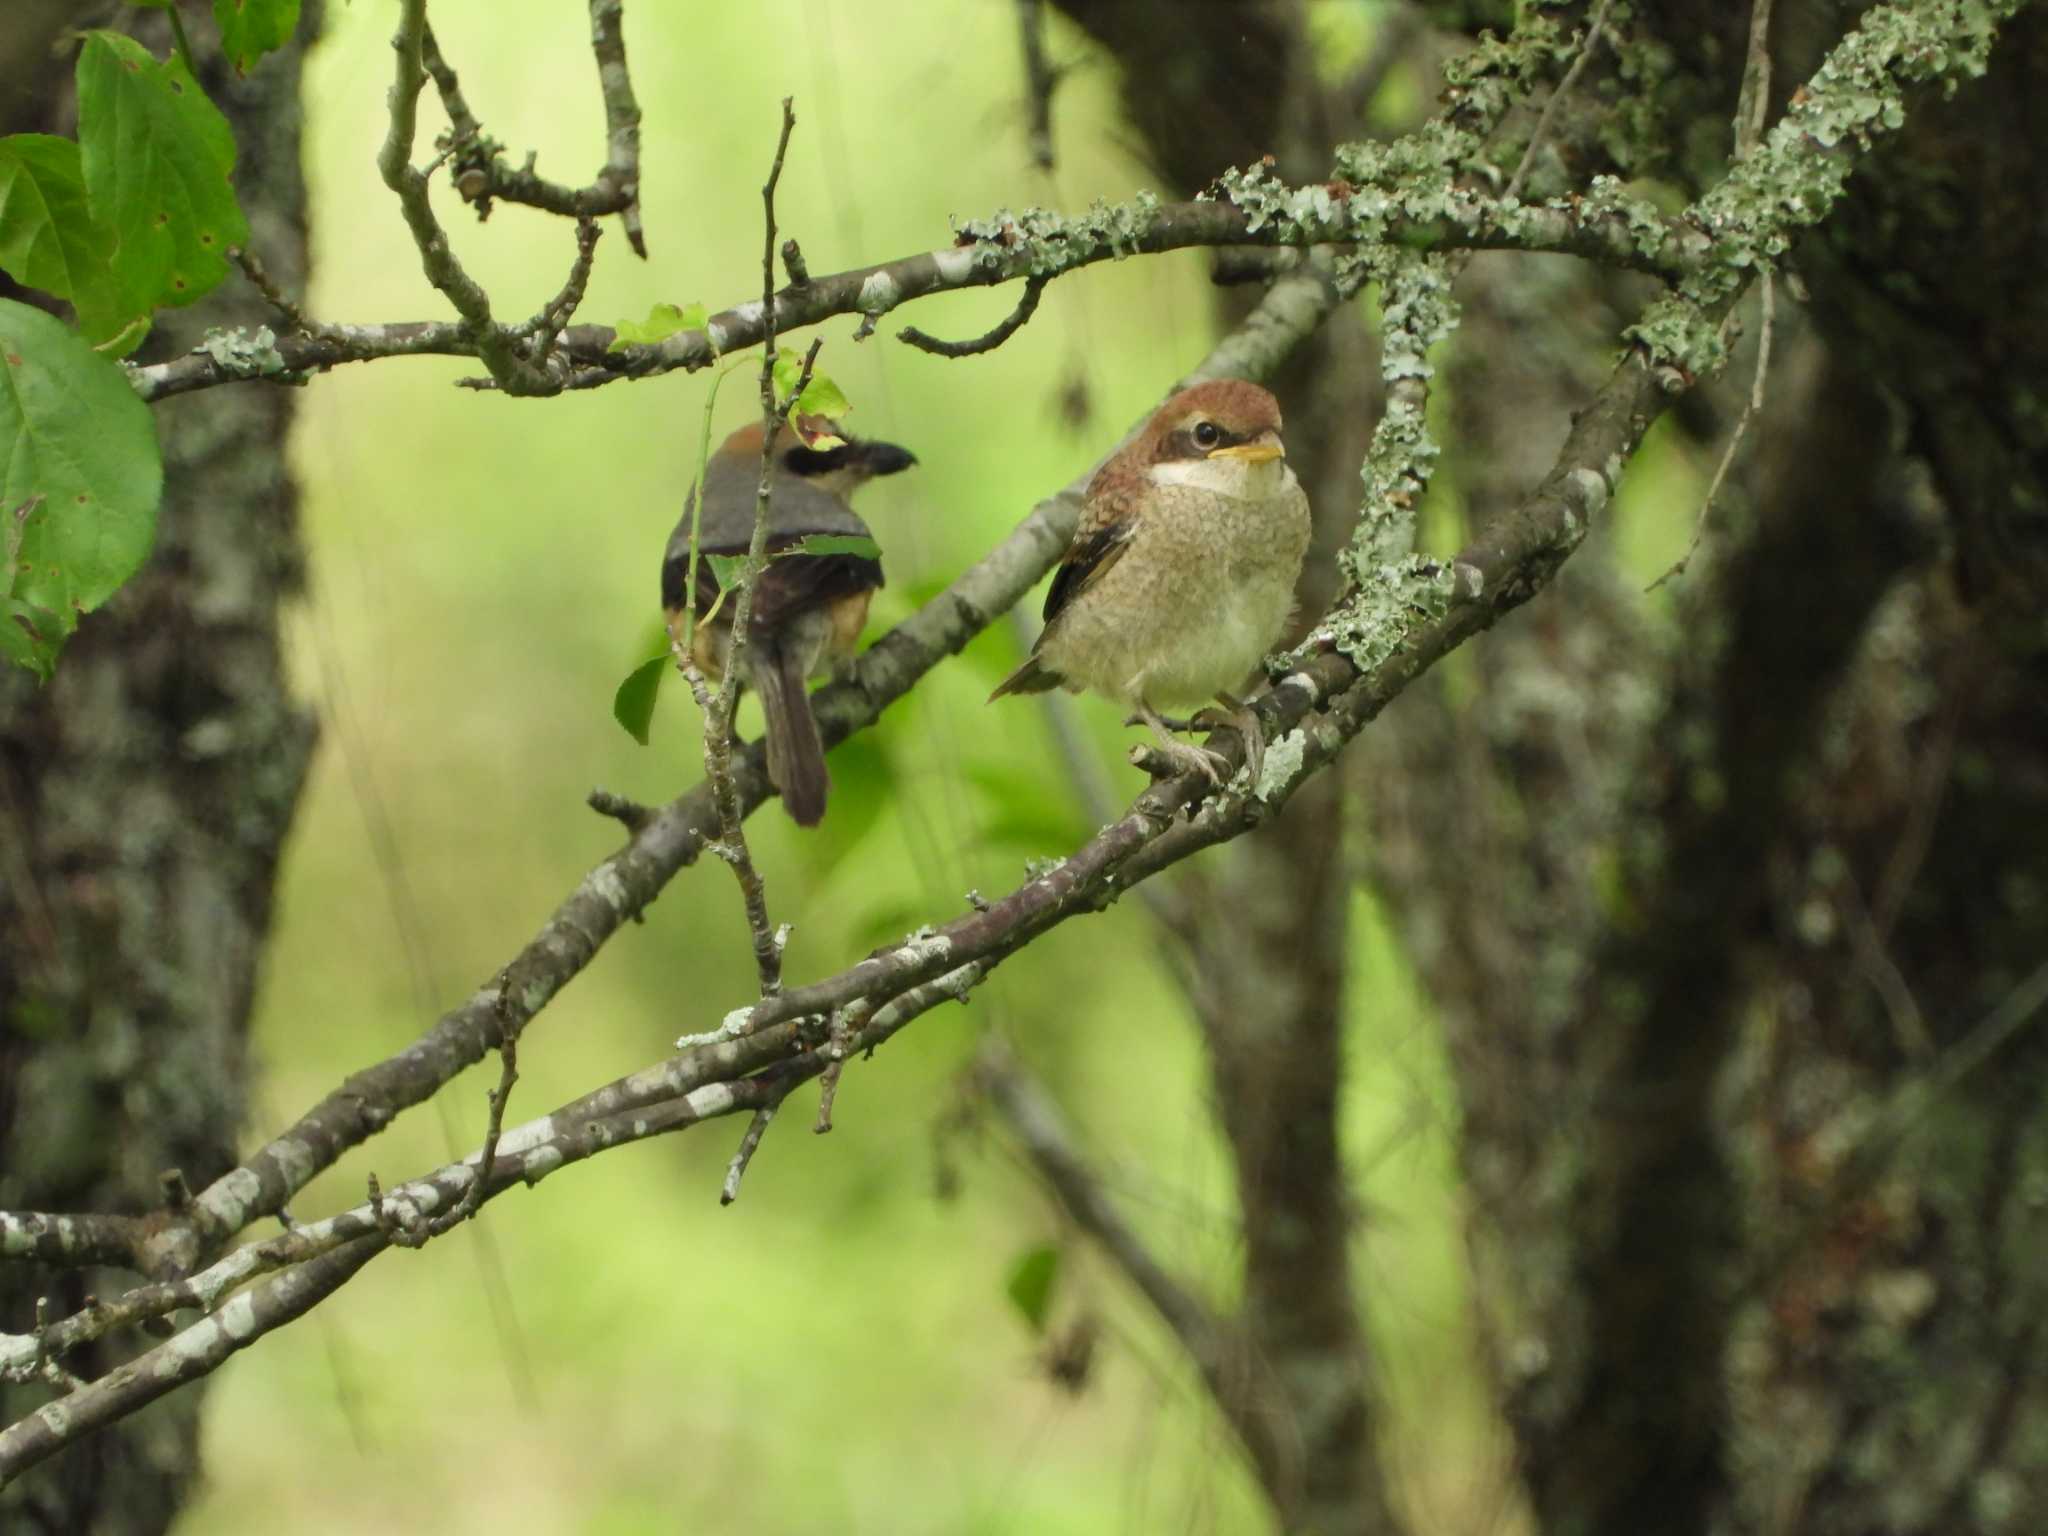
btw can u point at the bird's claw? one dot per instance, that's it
(1181, 757)
(1244, 720)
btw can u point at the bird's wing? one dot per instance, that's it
(1107, 523)
(788, 584)
(796, 508)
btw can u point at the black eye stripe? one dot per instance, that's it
(816, 461)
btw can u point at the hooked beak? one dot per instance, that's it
(884, 458)
(1260, 451)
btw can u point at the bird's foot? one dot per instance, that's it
(1165, 722)
(1238, 716)
(1184, 757)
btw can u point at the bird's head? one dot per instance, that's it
(829, 458)
(1222, 435)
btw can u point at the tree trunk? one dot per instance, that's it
(144, 797)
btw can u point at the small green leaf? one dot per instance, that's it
(1031, 1282)
(251, 28)
(662, 322)
(78, 450)
(835, 544)
(157, 157)
(633, 703)
(821, 397)
(726, 568)
(50, 240)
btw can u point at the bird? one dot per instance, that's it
(1180, 575)
(808, 610)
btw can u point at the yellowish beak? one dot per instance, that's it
(1251, 453)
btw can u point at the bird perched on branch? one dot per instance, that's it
(808, 609)
(1181, 573)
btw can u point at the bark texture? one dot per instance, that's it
(1734, 967)
(145, 794)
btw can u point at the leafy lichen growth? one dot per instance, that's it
(244, 354)
(1388, 603)
(1037, 242)
(1798, 173)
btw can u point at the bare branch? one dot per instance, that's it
(749, 1144)
(1002, 331)
(481, 175)
(493, 345)
(1042, 1132)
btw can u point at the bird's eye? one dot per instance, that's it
(1207, 434)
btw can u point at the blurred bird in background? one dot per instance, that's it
(1181, 573)
(808, 610)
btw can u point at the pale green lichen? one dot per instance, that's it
(1796, 175)
(1417, 313)
(1389, 602)
(1037, 242)
(1281, 765)
(244, 354)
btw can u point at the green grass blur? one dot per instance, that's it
(835, 1352)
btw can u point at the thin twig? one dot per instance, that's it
(620, 177)
(495, 346)
(1752, 106)
(1766, 300)
(482, 177)
(749, 1144)
(1544, 120)
(273, 293)
(630, 814)
(718, 711)
(1027, 306)
(546, 327)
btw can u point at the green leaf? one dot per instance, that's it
(633, 703)
(835, 544)
(73, 434)
(726, 568)
(251, 28)
(1031, 1282)
(157, 159)
(821, 397)
(662, 322)
(29, 636)
(50, 240)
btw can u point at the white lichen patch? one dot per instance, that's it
(1282, 765)
(731, 1027)
(604, 883)
(879, 294)
(712, 1099)
(921, 946)
(543, 1162)
(238, 1317)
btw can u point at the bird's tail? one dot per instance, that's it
(796, 755)
(1033, 677)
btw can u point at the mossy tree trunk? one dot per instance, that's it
(145, 794)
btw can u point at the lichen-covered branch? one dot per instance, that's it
(666, 840)
(1009, 247)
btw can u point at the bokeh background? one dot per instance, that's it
(612, 1351)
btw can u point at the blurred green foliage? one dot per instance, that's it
(835, 1352)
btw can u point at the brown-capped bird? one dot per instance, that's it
(808, 610)
(1181, 572)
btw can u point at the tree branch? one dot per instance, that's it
(1002, 249)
